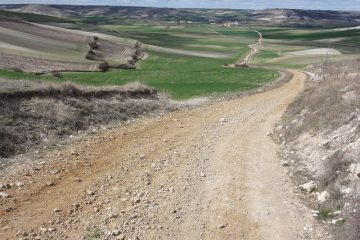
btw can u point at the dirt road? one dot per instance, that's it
(206, 173)
(253, 49)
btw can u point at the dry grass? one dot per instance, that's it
(325, 118)
(327, 103)
(49, 113)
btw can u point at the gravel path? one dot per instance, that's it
(207, 173)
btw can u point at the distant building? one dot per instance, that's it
(231, 24)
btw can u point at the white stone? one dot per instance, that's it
(19, 184)
(222, 120)
(309, 186)
(354, 169)
(4, 195)
(346, 191)
(323, 197)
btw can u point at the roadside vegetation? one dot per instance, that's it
(41, 114)
(321, 132)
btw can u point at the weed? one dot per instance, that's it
(93, 233)
(325, 214)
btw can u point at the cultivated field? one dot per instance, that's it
(38, 48)
(301, 47)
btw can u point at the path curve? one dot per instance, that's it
(253, 49)
(206, 173)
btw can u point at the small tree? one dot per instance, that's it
(57, 74)
(137, 45)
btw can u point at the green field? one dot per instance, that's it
(182, 61)
(183, 76)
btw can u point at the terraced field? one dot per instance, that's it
(301, 47)
(38, 48)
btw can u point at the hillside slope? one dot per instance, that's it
(321, 135)
(36, 48)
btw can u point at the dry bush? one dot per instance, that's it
(48, 114)
(93, 45)
(242, 65)
(137, 45)
(323, 105)
(327, 114)
(57, 74)
(104, 66)
(91, 55)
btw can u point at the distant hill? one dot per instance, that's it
(109, 14)
(31, 17)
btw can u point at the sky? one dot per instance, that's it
(238, 4)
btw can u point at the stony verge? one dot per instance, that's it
(320, 134)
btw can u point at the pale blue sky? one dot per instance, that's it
(241, 4)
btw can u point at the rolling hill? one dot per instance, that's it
(95, 14)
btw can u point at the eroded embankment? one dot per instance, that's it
(45, 114)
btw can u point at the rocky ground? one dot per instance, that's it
(206, 173)
(320, 135)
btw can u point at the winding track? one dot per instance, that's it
(207, 173)
(253, 49)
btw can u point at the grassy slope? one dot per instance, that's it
(36, 18)
(32, 45)
(185, 76)
(182, 77)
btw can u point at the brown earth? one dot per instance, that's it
(207, 173)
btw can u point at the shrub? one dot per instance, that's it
(90, 55)
(137, 45)
(104, 66)
(57, 74)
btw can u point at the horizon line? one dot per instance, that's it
(208, 8)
